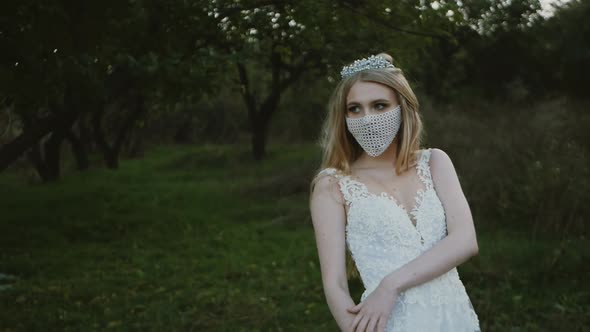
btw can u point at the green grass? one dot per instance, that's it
(205, 239)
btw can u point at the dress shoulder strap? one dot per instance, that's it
(423, 168)
(350, 189)
(331, 171)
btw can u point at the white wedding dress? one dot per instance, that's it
(382, 237)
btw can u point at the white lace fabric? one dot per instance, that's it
(382, 237)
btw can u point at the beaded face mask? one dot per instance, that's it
(375, 132)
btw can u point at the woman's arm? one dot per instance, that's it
(459, 245)
(329, 220)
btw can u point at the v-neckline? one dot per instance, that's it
(418, 199)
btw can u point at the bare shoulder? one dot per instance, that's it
(325, 186)
(439, 157)
(444, 175)
(441, 164)
(324, 181)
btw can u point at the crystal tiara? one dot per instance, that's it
(372, 62)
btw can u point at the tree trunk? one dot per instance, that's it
(111, 159)
(36, 158)
(85, 134)
(127, 127)
(259, 141)
(79, 150)
(261, 114)
(134, 144)
(99, 136)
(111, 153)
(45, 157)
(29, 137)
(53, 156)
(184, 131)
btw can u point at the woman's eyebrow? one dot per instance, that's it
(381, 100)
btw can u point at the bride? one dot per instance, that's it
(394, 213)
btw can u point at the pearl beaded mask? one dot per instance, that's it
(375, 132)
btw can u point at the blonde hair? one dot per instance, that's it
(340, 149)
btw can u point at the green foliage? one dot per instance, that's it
(569, 48)
(203, 238)
(523, 165)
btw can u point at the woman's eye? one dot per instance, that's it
(353, 109)
(380, 106)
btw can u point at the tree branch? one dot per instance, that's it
(386, 23)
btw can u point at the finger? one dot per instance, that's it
(355, 322)
(362, 327)
(372, 323)
(356, 308)
(381, 324)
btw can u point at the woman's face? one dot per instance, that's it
(369, 98)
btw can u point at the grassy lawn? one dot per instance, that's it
(204, 239)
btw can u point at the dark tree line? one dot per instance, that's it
(90, 74)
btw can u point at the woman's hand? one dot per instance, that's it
(373, 313)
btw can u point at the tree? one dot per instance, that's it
(288, 39)
(51, 51)
(68, 61)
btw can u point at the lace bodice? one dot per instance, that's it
(382, 237)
